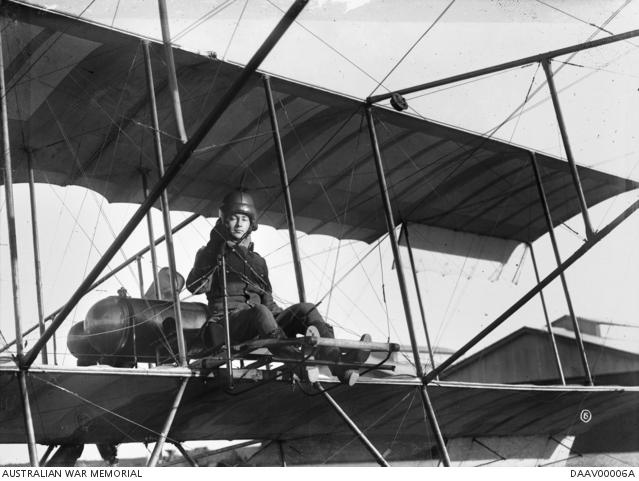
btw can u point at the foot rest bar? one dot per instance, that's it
(321, 341)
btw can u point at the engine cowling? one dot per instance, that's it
(122, 330)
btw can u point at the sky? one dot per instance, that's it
(357, 47)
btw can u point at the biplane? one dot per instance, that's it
(78, 97)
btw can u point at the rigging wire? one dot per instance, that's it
(335, 50)
(577, 18)
(117, 6)
(570, 57)
(204, 18)
(91, 403)
(237, 24)
(370, 426)
(432, 25)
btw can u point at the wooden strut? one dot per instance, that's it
(564, 137)
(505, 66)
(418, 291)
(290, 217)
(180, 159)
(362, 437)
(151, 233)
(170, 63)
(553, 342)
(36, 254)
(227, 324)
(589, 244)
(164, 201)
(13, 253)
(390, 224)
(564, 283)
(157, 450)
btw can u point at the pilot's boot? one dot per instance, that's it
(213, 336)
(285, 351)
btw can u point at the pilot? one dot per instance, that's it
(252, 311)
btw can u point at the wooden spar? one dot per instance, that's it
(164, 203)
(13, 254)
(170, 63)
(227, 326)
(390, 224)
(505, 66)
(157, 450)
(564, 137)
(151, 233)
(362, 437)
(36, 253)
(138, 261)
(110, 274)
(589, 244)
(180, 159)
(419, 294)
(564, 283)
(553, 341)
(290, 218)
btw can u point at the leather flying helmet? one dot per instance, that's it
(239, 202)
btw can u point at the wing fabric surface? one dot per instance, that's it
(76, 406)
(78, 107)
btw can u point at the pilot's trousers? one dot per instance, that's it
(258, 321)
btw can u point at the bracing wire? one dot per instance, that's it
(117, 6)
(204, 18)
(577, 18)
(317, 37)
(237, 24)
(102, 408)
(432, 25)
(370, 426)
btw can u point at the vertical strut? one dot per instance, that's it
(13, 252)
(227, 327)
(564, 136)
(36, 253)
(170, 63)
(179, 160)
(290, 218)
(28, 419)
(390, 224)
(157, 450)
(149, 228)
(564, 283)
(138, 261)
(419, 294)
(553, 342)
(164, 200)
(362, 437)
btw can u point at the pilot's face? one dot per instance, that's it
(238, 225)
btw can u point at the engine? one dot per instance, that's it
(120, 331)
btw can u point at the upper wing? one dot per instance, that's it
(78, 105)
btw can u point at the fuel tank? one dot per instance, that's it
(121, 331)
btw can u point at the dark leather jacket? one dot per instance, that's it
(247, 281)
